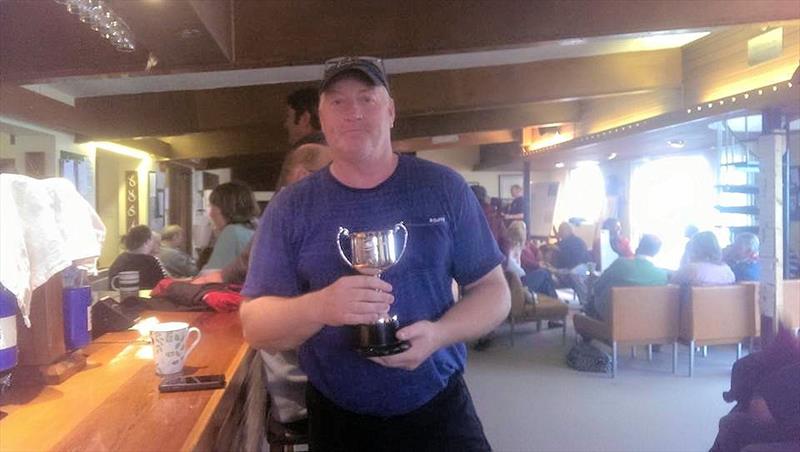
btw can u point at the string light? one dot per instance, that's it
(689, 110)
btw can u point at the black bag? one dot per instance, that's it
(586, 357)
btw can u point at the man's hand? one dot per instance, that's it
(424, 339)
(354, 300)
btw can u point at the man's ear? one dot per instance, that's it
(305, 119)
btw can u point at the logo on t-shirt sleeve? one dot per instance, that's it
(435, 220)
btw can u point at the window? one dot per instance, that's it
(584, 194)
(666, 196)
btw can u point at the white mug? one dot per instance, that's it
(126, 282)
(169, 346)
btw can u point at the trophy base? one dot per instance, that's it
(372, 351)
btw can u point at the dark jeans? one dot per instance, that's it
(447, 423)
(540, 281)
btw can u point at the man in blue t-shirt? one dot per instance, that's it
(303, 295)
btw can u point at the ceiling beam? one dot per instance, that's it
(515, 117)
(273, 34)
(465, 139)
(271, 137)
(430, 93)
(27, 106)
(422, 27)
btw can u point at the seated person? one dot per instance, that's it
(139, 243)
(636, 271)
(536, 280)
(705, 267)
(530, 257)
(688, 232)
(176, 262)
(619, 244)
(286, 382)
(767, 413)
(233, 212)
(572, 249)
(742, 257)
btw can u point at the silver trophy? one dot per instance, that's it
(372, 253)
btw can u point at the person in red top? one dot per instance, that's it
(493, 217)
(621, 245)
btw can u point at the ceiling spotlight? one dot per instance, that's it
(775, 88)
(746, 95)
(677, 144)
(560, 165)
(612, 156)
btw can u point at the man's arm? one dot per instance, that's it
(485, 305)
(277, 323)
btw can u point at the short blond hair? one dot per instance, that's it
(517, 232)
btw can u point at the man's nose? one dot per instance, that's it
(354, 112)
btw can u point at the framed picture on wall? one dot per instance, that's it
(505, 182)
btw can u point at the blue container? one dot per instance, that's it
(8, 330)
(77, 302)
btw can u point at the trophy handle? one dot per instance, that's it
(346, 233)
(402, 226)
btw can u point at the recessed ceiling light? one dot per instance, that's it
(560, 165)
(677, 144)
(612, 156)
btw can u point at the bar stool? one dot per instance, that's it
(283, 437)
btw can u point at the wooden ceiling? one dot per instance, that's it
(40, 42)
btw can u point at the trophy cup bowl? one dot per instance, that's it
(372, 253)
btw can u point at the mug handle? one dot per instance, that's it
(398, 227)
(114, 282)
(346, 233)
(196, 341)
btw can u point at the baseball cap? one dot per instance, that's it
(370, 67)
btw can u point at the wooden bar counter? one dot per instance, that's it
(114, 403)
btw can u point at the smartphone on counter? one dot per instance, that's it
(191, 383)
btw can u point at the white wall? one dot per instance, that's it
(49, 141)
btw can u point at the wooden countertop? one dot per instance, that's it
(114, 403)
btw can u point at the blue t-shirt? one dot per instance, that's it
(295, 252)
(748, 270)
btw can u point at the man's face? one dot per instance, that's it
(516, 192)
(299, 128)
(356, 117)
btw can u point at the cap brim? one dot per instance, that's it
(339, 73)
